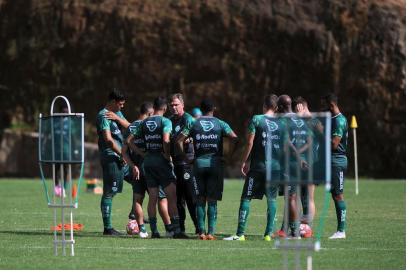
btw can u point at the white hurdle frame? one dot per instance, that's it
(63, 240)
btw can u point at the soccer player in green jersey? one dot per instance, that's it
(299, 142)
(339, 134)
(207, 133)
(300, 107)
(183, 171)
(158, 168)
(265, 146)
(134, 162)
(109, 123)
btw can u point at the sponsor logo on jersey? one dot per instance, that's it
(206, 137)
(151, 125)
(298, 122)
(177, 128)
(206, 125)
(153, 137)
(186, 176)
(272, 126)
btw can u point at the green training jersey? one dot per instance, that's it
(339, 127)
(102, 123)
(138, 141)
(207, 133)
(299, 135)
(151, 130)
(268, 142)
(179, 124)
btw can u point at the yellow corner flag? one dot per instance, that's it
(354, 122)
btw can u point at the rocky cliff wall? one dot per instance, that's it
(235, 51)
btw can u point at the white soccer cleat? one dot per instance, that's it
(143, 234)
(235, 238)
(338, 235)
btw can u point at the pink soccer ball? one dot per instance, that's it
(132, 227)
(305, 230)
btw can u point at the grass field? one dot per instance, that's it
(376, 236)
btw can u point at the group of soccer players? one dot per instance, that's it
(179, 161)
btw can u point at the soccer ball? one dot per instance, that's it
(132, 227)
(305, 230)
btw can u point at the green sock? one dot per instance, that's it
(105, 207)
(212, 216)
(270, 216)
(175, 224)
(142, 228)
(243, 216)
(152, 225)
(201, 216)
(65, 185)
(341, 211)
(294, 228)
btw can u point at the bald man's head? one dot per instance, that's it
(284, 104)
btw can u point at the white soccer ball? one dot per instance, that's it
(132, 227)
(304, 229)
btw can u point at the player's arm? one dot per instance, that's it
(246, 153)
(127, 159)
(335, 141)
(166, 138)
(110, 142)
(229, 133)
(337, 134)
(180, 140)
(131, 145)
(114, 117)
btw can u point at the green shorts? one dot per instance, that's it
(256, 186)
(209, 182)
(337, 179)
(113, 175)
(158, 172)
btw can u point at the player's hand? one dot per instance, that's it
(136, 173)
(244, 168)
(304, 165)
(111, 116)
(188, 140)
(299, 108)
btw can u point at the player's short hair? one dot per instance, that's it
(207, 105)
(176, 96)
(160, 103)
(331, 98)
(145, 107)
(299, 100)
(284, 103)
(270, 102)
(116, 95)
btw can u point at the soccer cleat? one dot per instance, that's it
(111, 232)
(202, 236)
(169, 234)
(235, 238)
(267, 238)
(279, 234)
(131, 216)
(338, 235)
(155, 235)
(143, 234)
(180, 235)
(210, 237)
